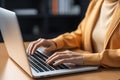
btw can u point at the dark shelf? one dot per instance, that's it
(49, 16)
(48, 25)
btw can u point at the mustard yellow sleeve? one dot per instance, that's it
(110, 57)
(73, 39)
(70, 40)
(107, 58)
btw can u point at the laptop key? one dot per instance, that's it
(43, 62)
(31, 65)
(39, 64)
(35, 65)
(44, 57)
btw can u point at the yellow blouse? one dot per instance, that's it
(99, 31)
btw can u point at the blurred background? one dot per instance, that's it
(46, 18)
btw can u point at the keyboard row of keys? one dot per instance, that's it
(41, 55)
(38, 63)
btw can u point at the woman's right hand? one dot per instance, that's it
(47, 43)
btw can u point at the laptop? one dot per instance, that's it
(33, 65)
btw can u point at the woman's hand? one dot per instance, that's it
(47, 43)
(65, 57)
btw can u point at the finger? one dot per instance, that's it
(57, 57)
(60, 54)
(74, 60)
(31, 46)
(28, 48)
(67, 60)
(61, 61)
(52, 56)
(49, 49)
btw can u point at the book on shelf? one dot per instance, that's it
(63, 7)
(54, 7)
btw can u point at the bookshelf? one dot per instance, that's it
(47, 18)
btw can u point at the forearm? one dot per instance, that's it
(68, 41)
(107, 58)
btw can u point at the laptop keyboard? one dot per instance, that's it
(38, 63)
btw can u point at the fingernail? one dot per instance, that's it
(46, 60)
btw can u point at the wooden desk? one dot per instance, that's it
(10, 71)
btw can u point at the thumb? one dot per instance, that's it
(48, 50)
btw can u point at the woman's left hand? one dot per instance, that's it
(65, 57)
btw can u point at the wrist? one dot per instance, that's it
(91, 59)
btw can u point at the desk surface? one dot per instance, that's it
(10, 71)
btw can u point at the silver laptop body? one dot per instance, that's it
(14, 43)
